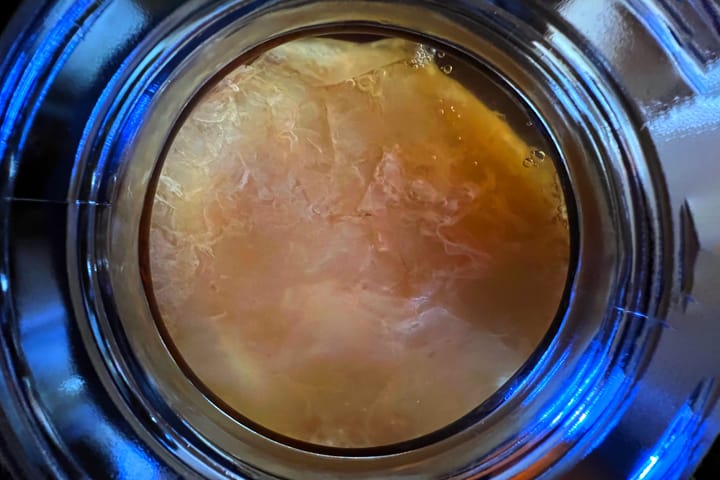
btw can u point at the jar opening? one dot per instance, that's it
(355, 241)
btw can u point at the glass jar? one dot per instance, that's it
(623, 386)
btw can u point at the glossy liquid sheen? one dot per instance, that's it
(349, 247)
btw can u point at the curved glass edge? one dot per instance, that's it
(581, 399)
(666, 57)
(676, 120)
(53, 425)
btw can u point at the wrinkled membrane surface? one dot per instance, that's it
(349, 248)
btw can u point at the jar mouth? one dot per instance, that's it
(583, 364)
(530, 157)
(623, 386)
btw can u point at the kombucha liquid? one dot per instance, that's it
(355, 244)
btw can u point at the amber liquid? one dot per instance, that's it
(351, 248)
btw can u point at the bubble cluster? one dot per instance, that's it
(424, 56)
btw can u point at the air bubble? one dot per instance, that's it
(535, 158)
(441, 54)
(446, 69)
